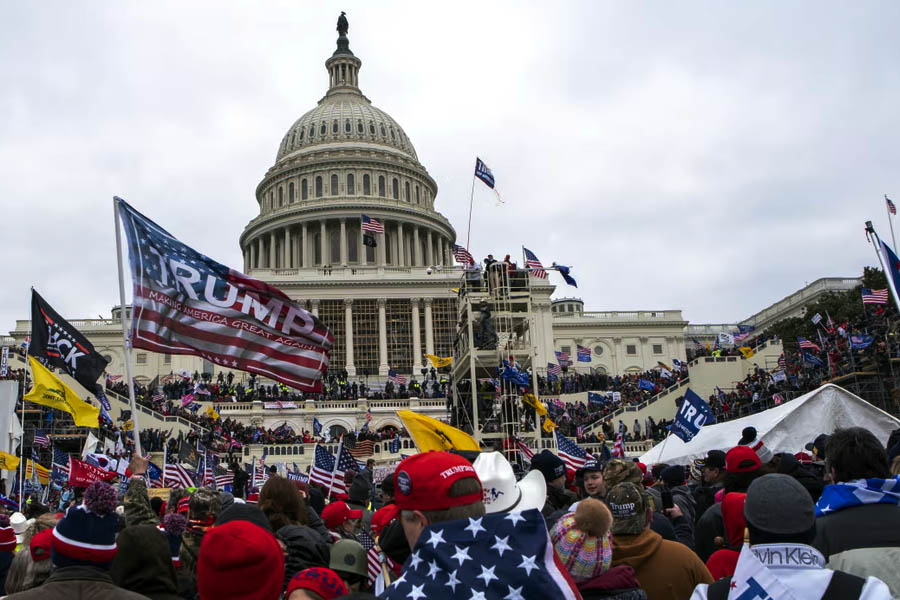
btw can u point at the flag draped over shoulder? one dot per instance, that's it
(187, 303)
(63, 346)
(48, 390)
(431, 434)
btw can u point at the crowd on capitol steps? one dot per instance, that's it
(465, 524)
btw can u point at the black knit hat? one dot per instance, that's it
(245, 512)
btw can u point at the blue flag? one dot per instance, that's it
(483, 173)
(565, 272)
(597, 399)
(154, 473)
(394, 446)
(511, 373)
(892, 263)
(693, 414)
(812, 359)
(646, 385)
(746, 328)
(858, 342)
(317, 427)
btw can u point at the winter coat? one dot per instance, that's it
(709, 527)
(813, 482)
(863, 541)
(722, 562)
(619, 583)
(78, 583)
(304, 548)
(315, 522)
(667, 570)
(143, 563)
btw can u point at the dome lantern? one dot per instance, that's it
(343, 66)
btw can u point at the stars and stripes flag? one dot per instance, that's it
(187, 303)
(563, 358)
(363, 449)
(372, 554)
(41, 439)
(346, 460)
(177, 476)
(526, 452)
(322, 470)
(584, 353)
(498, 556)
(209, 474)
(532, 262)
(224, 480)
(890, 205)
(874, 296)
(155, 475)
(553, 369)
(806, 344)
(571, 453)
(372, 225)
(60, 470)
(462, 255)
(396, 378)
(619, 447)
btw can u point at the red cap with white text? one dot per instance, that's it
(422, 481)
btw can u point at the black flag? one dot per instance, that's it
(63, 346)
(369, 240)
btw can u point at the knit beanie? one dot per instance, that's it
(173, 526)
(87, 534)
(582, 541)
(7, 535)
(240, 560)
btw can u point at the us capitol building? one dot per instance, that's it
(388, 305)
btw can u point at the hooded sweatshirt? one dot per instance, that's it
(667, 570)
(143, 563)
(722, 562)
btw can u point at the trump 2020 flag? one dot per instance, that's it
(187, 303)
(483, 173)
(693, 414)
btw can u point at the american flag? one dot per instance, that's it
(178, 477)
(155, 475)
(462, 255)
(527, 453)
(113, 378)
(209, 474)
(781, 361)
(890, 205)
(224, 480)
(394, 377)
(322, 470)
(563, 358)
(40, 438)
(372, 553)
(158, 397)
(532, 262)
(553, 369)
(619, 447)
(371, 225)
(584, 354)
(806, 344)
(777, 398)
(571, 453)
(186, 303)
(60, 464)
(363, 449)
(874, 296)
(260, 475)
(500, 555)
(740, 337)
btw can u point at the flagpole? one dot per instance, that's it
(533, 324)
(337, 461)
(890, 221)
(123, 314)
(471, 202)
(871, 235)
(21, 473)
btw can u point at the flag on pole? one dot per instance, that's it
(177, 476)
(483, 173)
(874, 296)
(322, 470)
(372, 225)
(566, 273)
(532, 262)
(48, 390)
(317, 426)
(693, 414)
(571, 453)
(563, 358)
(40, 438)
(187, 303)
(462, 256)
(553, 369)
(524, 449)
(396, 378)
(619, 447)
(61, 345)
(584, 353)
(807, 345)
(816, 319)
(890, 205)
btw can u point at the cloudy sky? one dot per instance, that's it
(694, 155)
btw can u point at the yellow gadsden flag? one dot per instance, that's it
(8, 462)
(549, 425)
(211, 412)
(533, 402)
(50, 391)
(747, 351)
(437, 362)
(431, 434)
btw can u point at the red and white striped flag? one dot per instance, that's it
(527, 452)
(532, 262)
(618, 450)
(187, 303)
(890, 205)
(177, 476)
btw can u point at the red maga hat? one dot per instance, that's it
(422, 481)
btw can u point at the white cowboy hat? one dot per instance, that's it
(501, 491)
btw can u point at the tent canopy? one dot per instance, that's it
(785, 428)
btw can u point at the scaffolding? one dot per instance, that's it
(496, 325)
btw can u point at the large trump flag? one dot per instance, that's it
(187, 303)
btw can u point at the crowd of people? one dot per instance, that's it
(818, 524)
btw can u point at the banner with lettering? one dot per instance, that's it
(82, 474)
(693, 414)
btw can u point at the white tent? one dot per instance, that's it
(785, 428)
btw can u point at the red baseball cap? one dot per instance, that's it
(422, 481)
(40, 545)
(741, 459)
(320, 580)
(382, 517)
(336, 513)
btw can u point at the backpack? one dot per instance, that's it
(843, 586)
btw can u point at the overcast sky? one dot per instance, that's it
(694, 155)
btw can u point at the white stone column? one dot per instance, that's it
(429, 330)
(297, 241)
(417, 337)
(416, 257)
(441, 250)
(429, 251)
(323, 242)
(401, 250)
(252, 264)
(381, 250)
(259, 252)
(348, 337)
(645, 352)
(304, 243)
(382, 338)
(362, 247)
(272, 244)
(286, 251)
(315, 307)
(344, 249)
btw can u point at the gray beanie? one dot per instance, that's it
(779, 504)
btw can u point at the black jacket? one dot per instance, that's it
(143, 563)
(304, 548)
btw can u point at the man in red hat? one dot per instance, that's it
(341, 520)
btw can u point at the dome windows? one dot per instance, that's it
(318, 186)
(293, 138)
(367, 185)
(304, 189)
(334, 126)
(348, 128)
(417, 194)
(383, 133)
(395, 189)
(280, 196)
(301, 135)
(312, 131)
(351, 184)
(323, 129)
(359, 126)
(408, 198)
(372, 128)
(381, 186)
(334, 184)
(392, 134)
(291, 192)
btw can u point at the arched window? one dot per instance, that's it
(301, 135)
(408, 198)
(367, 185)
(351, 184)
(334, 185)
(280, 196)
(347, 126)
(359, 126)
(395, 189)
(372, 128)
(381, 185)
(318, 186)
(392, 134)
(304, 189)
(312, 131)
(417, 194)
(334, 126)
(383, 134)
(271, 200)
(293, 138)
(323, 129)
(291, 192)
